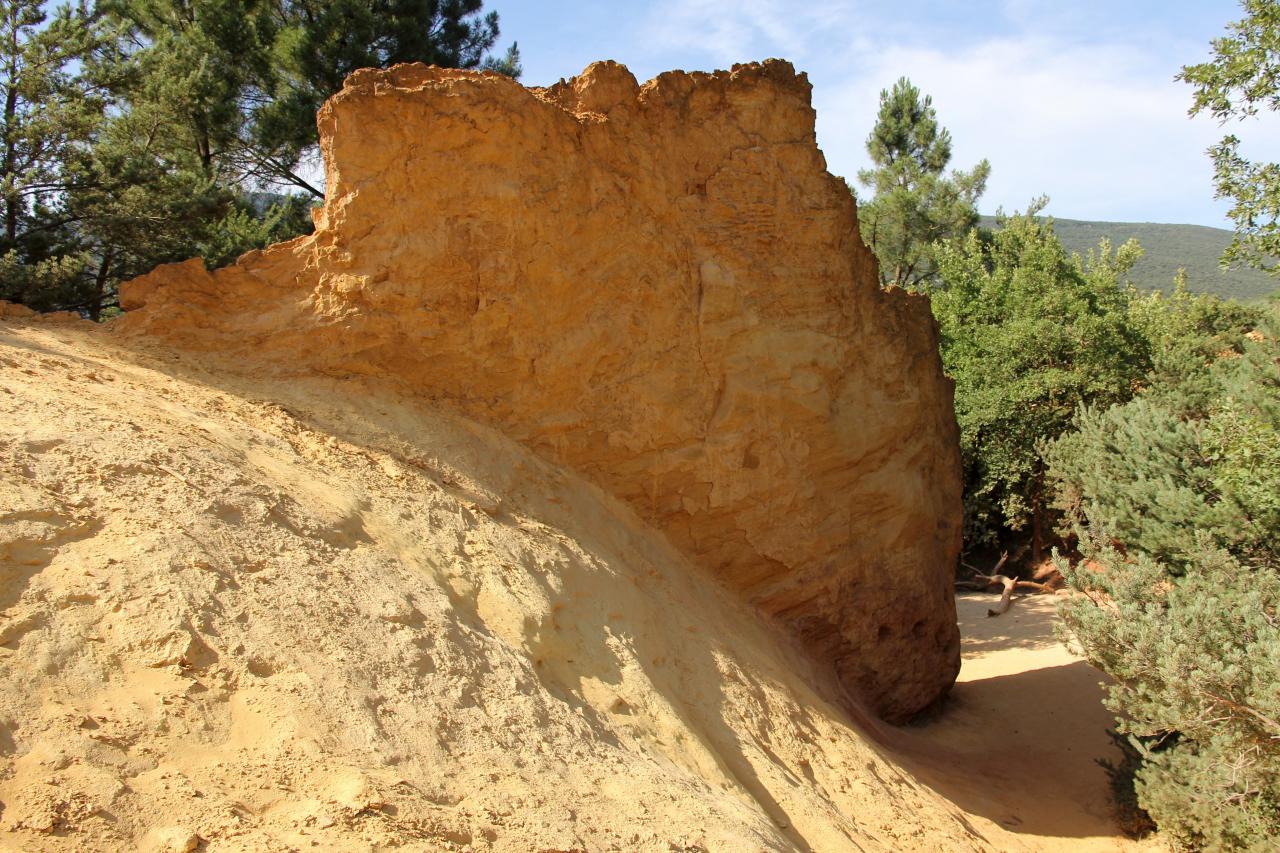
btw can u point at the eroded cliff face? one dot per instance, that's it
(658, 285)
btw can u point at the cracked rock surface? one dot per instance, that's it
(659, 286)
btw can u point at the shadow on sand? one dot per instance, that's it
(1017, 747)
(1021, 750)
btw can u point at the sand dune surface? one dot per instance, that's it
(239, 612)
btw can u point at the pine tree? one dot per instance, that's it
(123, 137)
(142, 132)
(243, 79)
(1176, 498)
(52, 109)
(507, 65)
(914, 204)
(196, 66)
(319, 42)
(148, 201)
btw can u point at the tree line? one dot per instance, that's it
(137, 132)
(1136, 435)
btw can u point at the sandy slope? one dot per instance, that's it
(245, 614)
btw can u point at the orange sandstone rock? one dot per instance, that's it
(659, 285)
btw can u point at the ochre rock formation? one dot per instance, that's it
(659, 285)
(266, 612)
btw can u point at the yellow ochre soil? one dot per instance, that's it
(244, 613)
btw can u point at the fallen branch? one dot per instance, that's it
(1006, 598)
(984, 580)
(1038, 587)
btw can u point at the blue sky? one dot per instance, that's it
(1073, 100)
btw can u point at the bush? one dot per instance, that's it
(1029, 334)
(1176, 497)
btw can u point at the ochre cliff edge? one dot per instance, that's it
(659, 285)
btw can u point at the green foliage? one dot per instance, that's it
(251, 224)
(1243, 449)
(915, 204)
(1176, 497)
(1188, 332)
(1181, 445)
(135, 132)
(146, 201)
(241, 80)
(44, 285)
(52, 109)
(1029, 334)
(508, 64)
(1151, 456)
(1194, 249)
(191, 67)
(1240, 80)
(315, 44)
(128, 165)
(1196, 660)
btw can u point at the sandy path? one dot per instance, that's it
(1023, 731)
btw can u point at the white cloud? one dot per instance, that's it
(730, 31)
(1074, 100)
(1101, 129)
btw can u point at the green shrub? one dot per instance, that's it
(1029, 334)
(1176, 497)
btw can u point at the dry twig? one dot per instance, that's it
(986, 580)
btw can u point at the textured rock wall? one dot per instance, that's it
(659, 285)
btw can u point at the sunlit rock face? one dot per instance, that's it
(659, 285)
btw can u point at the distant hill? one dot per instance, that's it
(1168, 247)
